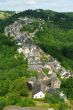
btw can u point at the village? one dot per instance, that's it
(37, 60)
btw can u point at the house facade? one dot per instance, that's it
(39, 95)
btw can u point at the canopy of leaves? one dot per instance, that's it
(58, 42)
(67, 87)
(13, 73)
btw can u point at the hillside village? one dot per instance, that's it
(37, 59)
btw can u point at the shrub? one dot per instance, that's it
(26, 102)
(2, 103)
(53, 99)
(67, 87)
(24, 92)
(12, 98)
(20, 86)
(64, 107)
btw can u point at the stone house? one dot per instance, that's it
(38, 86)
(42, 76)
(32, 81)
(55, 82)
(38, 91)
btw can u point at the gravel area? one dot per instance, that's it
(25, 108)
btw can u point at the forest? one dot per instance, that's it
(13, 75)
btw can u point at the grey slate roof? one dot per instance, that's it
(39, 86)
(53, 91)
(53, 77)
(36, 88)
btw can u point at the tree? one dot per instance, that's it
(12, 98)
(24, 102)
(2, 103)
(20, 86)
(67, 87)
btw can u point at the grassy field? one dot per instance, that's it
(4, 15)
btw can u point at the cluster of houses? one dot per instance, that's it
(31, 51)
(33, 54)
(43, 84)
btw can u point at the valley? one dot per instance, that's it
(36, 60)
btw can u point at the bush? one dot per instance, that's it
(12, 98)
(4, 86)
(20, 86)
(24, 92)
(64, 107)
(53, 99)
(26, 102)
(2, 103)
(67, 87)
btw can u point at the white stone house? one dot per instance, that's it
(39, 95)
(38, 91)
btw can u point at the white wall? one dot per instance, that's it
(39, 95)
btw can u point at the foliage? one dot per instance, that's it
(64, 107)
(46, 71)
(52, 99)
(13, 72)
(24, 102)
(5, 14)
(67, 87)
(57, 42)
(20, 86)
(31, 27)
(12, 98)
(4, 86)
(2, 103)
(56, 102)
(61, 106)
(11, 67)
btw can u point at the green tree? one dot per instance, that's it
(12, 98)
(2, 103)
(26, 102)
(67, 87)
(20, 86)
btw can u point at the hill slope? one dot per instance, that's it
(57, 36)
(53, 32)
(5, 14)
